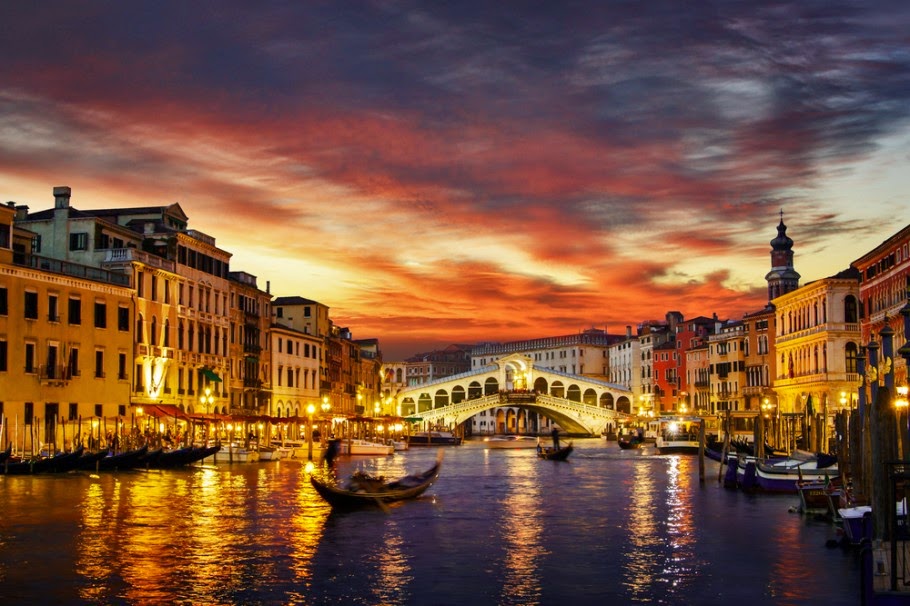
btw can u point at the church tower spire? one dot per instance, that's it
(782, 278)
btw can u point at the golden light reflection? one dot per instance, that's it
(96, 553)
(307, 525)
(523, 534)
(395, 574)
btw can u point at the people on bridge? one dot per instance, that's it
(555, 434)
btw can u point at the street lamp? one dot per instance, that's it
(376, 409)
(207, 399)
(901, 404)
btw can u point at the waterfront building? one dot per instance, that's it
(698, 378)
(368, 377)
(295, 372)
(250, 374)
(689, 334)
(180, 286)
(726, 351)
(583, 354)
(884, 279)
(817, 342)
(761, 365)
(624, 362)
(653, 334)
(65, 342)
(665, 365)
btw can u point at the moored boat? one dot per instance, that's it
(678, 435)
(358, 447)
(58, 463)
(363, 490)
(433, 438)
(819, 498)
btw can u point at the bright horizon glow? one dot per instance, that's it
(458, 173)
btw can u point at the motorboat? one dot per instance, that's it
(783, 474)
(678, 435)
(433, 438)
(497, 442)
(360, 447)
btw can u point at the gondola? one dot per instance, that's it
(630, 442)
(363, 490)
(112, 462)
(551, 453)
(58, 463)
(181, 457)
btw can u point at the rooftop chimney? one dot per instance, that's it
(62, 196)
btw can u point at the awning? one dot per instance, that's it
(210, 375)
(165, 411)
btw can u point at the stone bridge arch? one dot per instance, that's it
(586, 404)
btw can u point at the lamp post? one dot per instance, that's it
(207, 399)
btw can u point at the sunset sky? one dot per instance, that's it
(457, 172)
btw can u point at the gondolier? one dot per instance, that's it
(555, 434)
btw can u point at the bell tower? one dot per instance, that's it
(782, 278)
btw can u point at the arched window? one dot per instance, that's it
(140, 333)
(851, 354)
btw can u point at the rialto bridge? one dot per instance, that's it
(578, 404)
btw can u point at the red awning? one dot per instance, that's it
(165, 411)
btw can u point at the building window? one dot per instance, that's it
(4, 236)
(79, 241)
(53, 313)
(74, 412)
(123, 319)
(121, 367)
(99, 410)
(31, 305)
(74, 311)
(3, 356)
(100, 314)
(73, 362)
(4, 304)
(99, 364)
(29, 413)
(30, 358)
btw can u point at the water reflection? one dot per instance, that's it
(521, 532)
(681, 566)
(641, 568)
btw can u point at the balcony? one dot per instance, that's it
(72, 269)
(119, 257)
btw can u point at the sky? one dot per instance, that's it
(463, 172)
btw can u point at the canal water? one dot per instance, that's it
(499, 528)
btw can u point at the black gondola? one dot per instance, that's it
(555, 454)
(630, 442)
(168, 459)
(366, 491)
(114, 462)
(59, 463)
